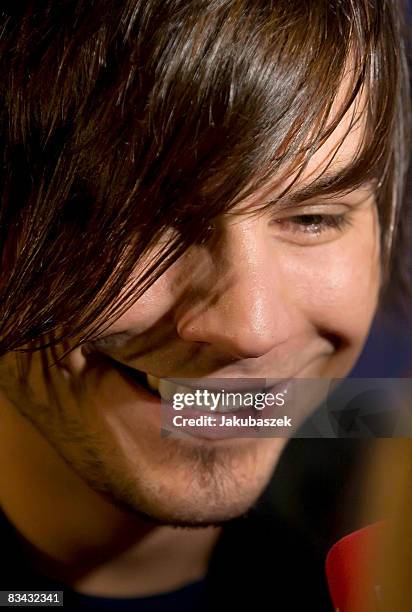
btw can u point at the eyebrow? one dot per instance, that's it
(328, 183)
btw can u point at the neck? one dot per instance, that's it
(75, 535)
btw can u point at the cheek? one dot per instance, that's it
(337, 286)
(350, 292)
(149, 309)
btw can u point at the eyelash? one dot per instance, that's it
(319, 224)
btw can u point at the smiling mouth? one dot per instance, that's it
(164, 389)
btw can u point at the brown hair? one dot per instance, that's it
(122, 120)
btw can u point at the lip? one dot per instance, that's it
(220, 384)
(230, 383)
(210, 383)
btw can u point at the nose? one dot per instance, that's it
(236, 296)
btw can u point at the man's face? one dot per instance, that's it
(290, 294)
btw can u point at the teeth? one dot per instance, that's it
(153, 382)
(167, 389)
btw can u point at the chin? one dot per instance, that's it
(192, 484)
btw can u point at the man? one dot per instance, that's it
(205, 190)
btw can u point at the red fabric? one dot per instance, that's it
(349, 568)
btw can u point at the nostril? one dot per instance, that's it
(333, 339)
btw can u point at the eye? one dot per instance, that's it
(310, 226)
(316, 223)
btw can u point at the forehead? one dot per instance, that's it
(326, 162)
(342, 146)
